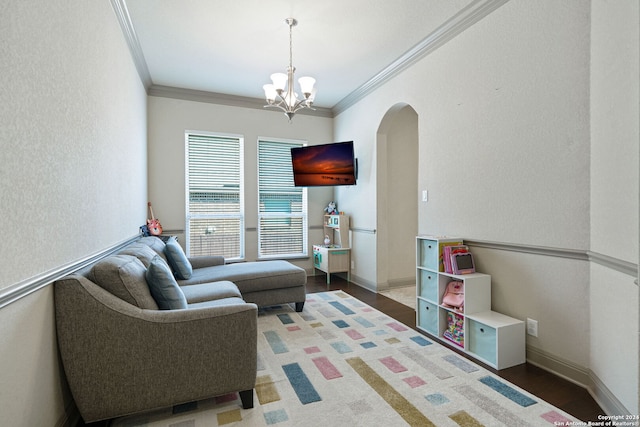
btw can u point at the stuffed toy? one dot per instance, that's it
(331, 209)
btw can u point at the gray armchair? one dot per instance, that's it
(120, 359)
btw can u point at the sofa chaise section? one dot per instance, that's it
(264, 283)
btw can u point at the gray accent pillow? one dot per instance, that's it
(124, 277)
(163, 286)
(177, 259)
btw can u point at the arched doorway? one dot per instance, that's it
(397, 197)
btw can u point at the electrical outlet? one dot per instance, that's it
(425, 195)
(353, 265)
(532, 327)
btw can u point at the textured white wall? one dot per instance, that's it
(168, 121)
(614, 124)
(505, 152)
(360, 123)
(73, 135)
(401, 189)
(73, 176)
(615, 108)
(503, 129)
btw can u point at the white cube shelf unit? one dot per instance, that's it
(486, 335)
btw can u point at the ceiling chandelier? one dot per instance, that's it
(280, 93)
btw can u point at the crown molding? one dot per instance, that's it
(225, 99)
(124, 19)
(464, 19)
(457, 24)
(122, 14)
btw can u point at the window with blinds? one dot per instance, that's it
(214, 193)
(282, 207)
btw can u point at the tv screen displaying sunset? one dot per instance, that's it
(327, 164)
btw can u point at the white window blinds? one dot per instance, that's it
(282, 207)
(214, 205)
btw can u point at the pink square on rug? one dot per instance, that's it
(393, 365)
(326, 368)
(397, 326)
(311, 350)
(368, 309)
(354, 334)
(414, 381)
(556, 418)
(293, 328)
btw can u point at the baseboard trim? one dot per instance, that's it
(606, 399)
(401, 283)
(20, 290)
(363, 283)
(579, 375)
(563, 368)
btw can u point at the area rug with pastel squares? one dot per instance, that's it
(342, 363)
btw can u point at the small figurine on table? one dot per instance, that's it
(331, 209)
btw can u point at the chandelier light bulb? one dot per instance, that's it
(312, 97)
(279, 81)
(270, 92)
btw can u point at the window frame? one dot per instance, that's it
(303, 215)
(240, 216)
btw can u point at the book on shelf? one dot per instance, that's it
(449, 250)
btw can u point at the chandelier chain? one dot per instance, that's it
(291, 45)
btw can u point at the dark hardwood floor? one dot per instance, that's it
(559, 392)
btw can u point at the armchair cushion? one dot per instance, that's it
(177, 259)
(163, 286)
(124, 277)
(210, 291)
(206, 261)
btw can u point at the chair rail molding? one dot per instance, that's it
(21, 289)
(616, 264)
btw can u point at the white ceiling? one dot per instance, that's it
(232, 47)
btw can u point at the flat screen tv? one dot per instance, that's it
(324, 165)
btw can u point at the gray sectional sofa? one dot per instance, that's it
(263, 283)
(135, 334)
